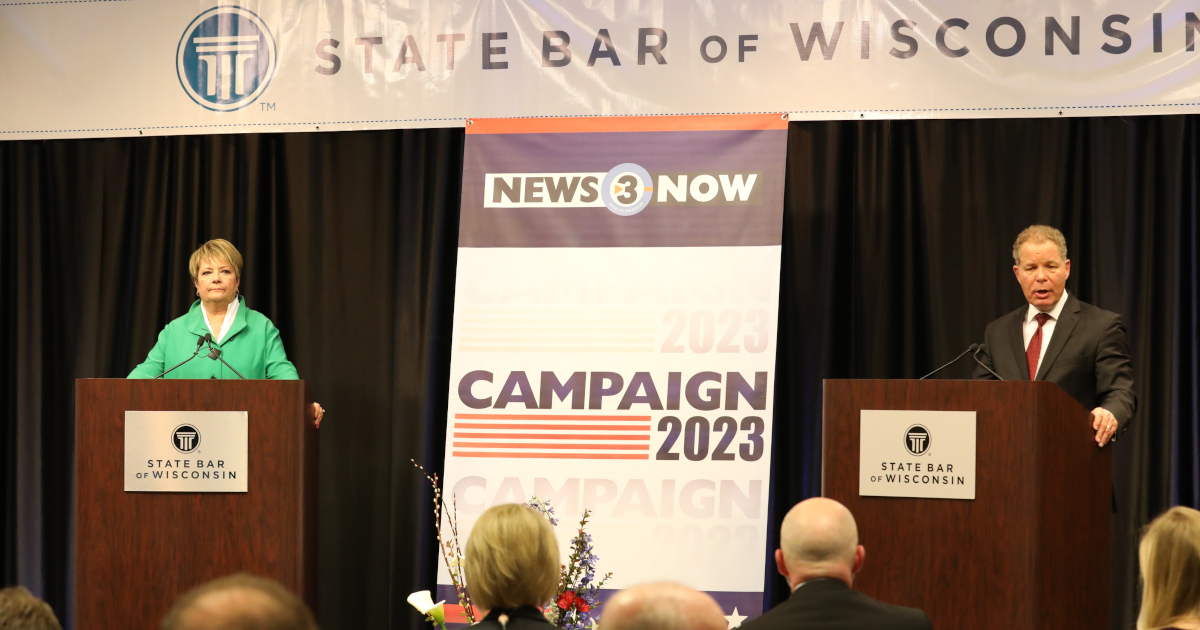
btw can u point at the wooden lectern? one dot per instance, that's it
(1031, 550)
(137, 552)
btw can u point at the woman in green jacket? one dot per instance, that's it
(245, 339)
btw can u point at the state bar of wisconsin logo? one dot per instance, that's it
(226, 58)
(185, 438)
(916, 439)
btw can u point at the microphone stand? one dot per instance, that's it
(215, 353)
(984, 365)
(199, 343)
(973, 346)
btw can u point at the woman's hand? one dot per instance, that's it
(318, 414)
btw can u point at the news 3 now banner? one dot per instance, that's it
(614, 336)
(80, 68)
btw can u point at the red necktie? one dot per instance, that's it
(1034, 351)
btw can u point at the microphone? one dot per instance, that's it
(214, 353)
(982, 364)
(972, 347)
(199, 342)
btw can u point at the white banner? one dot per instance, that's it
(79, 68)
(614, 338)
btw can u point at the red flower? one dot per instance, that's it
(581, 604)
(566, 599)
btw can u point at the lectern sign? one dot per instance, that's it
(926, 454)
(186, 451)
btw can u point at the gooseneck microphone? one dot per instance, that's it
(984, 365)
(214, 353)
(973, 347)
(199, 342)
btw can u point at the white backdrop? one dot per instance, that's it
(111, 68)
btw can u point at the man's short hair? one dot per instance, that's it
(243, 602)
(1039, 234)
(20, 610)
(512, 558)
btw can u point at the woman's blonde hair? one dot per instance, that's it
(511, 559)
(219, 251)
(1170, 561)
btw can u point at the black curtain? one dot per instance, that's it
(350, 245)
(897, 242)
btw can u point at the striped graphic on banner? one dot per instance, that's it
(550, 436)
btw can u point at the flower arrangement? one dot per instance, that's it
(578, 593)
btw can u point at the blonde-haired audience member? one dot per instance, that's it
(21, 610)
(1170, 561)
(239, 602)
(662, 606)
(512, 567)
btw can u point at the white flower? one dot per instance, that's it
(422, 601)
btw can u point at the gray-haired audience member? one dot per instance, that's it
(20, 610)
(239, 602)
(662, 606)
(819, 556)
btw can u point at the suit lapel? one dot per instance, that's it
(1062, 331)
(1016, 341)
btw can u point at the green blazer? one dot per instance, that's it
(252, 346)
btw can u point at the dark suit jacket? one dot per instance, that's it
(1088, 357)
(829, 604)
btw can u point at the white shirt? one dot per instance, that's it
(1030, 327)
(229, 315)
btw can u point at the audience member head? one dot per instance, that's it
(511, 559)
(239, 602)
(819, 539)
(20, 610)
(662, 606)
(1170, 561)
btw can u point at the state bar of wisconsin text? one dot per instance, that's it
(1004, 36)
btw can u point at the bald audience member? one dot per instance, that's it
(819, 557)
(662, 606)
(239, 602)
(21, 610)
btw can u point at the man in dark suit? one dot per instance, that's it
(819, 555)
(1057, 338)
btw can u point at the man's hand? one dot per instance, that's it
(1105, 425)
